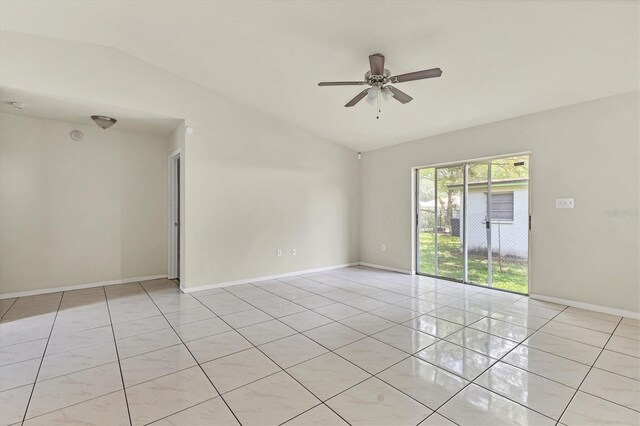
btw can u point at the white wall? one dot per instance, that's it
(588, 151)
(261, 185)
(79, 212)
(252, 183)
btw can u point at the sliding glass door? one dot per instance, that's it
(473, 222)
(440, 212)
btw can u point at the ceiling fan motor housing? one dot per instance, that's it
(377, 80)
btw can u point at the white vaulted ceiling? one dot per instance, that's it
(500, 59)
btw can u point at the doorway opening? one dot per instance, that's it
(473, 222)
(174, 216)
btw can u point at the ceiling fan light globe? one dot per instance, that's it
(387, 94)
(373, 94)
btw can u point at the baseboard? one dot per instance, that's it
(387, 268)
(79, 286)
(588, 306)
(264, 278)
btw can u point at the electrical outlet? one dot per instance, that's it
(565, 203)
(293, 252)
(383, 247)
(279, 252)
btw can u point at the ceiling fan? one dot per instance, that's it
(378, 78)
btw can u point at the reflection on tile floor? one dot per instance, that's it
(349, 346)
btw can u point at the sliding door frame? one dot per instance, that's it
(465, 194)
(435, 220)
(489, 230)
(415, 218)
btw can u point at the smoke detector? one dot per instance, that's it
(103, 121)
(76, 135)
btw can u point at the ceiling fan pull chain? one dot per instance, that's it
(378, 107)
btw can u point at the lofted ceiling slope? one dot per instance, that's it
(500, 59)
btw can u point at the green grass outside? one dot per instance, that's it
(513, 276)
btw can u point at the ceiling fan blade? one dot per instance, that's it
(399, 95)
(357, 99)
(417, 75)
(376, 61)
(341, 83)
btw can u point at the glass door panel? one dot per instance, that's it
(449, 202)
(426, 221)
(476, 224)
(440, 206)
(510, 223)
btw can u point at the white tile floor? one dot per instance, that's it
(355, 346)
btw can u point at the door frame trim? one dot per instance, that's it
(472, 160)
(415, 216)
(174, 208)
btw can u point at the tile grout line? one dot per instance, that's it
(194, 358)
(113, 333)
(522, 344)
(321, 404)
(328, 349)
(487, 369)
(613, 372)
(9, 308)
(463, 327)
(589, 372)
(395, 324)
(168, 374)
(296, 332)
(371, 335)
(91, 345)
(35, 380)
(608, 400)
(61, 375)
(282, 370)
(71, 405)
(437, 366)
(211, 360)
(341, 303)
(18, 362)
(440, 306)
(270, 341)
(621, 353)
(273, 318)
(183, 409)
(372, 375)
(483, 289)
(439, 339)
(216, 334)
(375, 375)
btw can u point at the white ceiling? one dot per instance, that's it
(77, 112)
(500, 59)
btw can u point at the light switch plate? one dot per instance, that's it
(565, 203)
